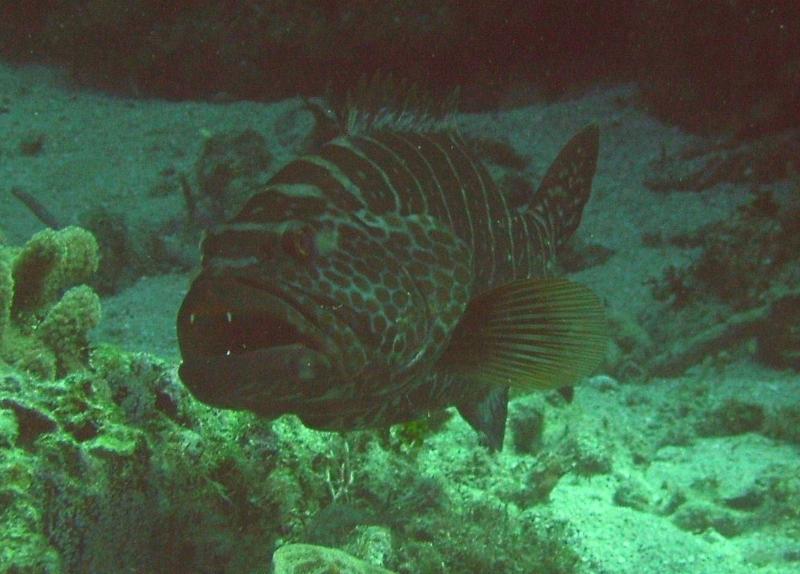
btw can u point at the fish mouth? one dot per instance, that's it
(249, 346)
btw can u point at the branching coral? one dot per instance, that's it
(66, 326)
(45, 311)
(53, 260)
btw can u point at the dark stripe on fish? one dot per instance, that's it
(309, 172)
(363, 174)
(437, 150)
(454, 200)
(541, 228)
(382, 148)
(410, 147)
(396, 174)
(273, 205)
(522, 246)
(409, 172)
(412, 173)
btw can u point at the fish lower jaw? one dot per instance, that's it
(225, 317)
(260, 380)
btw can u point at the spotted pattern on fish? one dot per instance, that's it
(411, 173)
(368, 252)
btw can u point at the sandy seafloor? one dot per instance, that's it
(100, 149)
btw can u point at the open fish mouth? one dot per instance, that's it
(249, 347)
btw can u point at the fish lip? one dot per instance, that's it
(234, 299)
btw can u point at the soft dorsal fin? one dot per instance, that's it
(565, 188)
(529, 334)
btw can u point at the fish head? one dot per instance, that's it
(292, 316)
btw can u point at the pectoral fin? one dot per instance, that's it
(529, 334)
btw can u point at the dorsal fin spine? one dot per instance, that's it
(383, 103)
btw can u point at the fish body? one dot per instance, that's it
(387, 276)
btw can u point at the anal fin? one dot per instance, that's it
(487, 415)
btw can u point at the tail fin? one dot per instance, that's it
(558, 204)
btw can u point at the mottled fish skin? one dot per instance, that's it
(367, 254)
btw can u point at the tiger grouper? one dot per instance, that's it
(386, 276)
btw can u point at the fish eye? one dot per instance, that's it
(299, 243)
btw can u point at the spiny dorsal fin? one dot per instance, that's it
(384, 103)
(529, 334)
